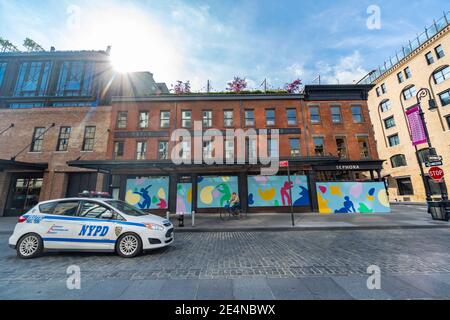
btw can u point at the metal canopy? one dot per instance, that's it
(18, 165)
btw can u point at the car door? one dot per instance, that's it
(59, 223)
(94, 231)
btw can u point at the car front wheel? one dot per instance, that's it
(29, 246)
(129, 245)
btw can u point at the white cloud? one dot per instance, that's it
(347, 71)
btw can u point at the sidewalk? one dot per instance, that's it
(403, 216)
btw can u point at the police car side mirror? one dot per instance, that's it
(107, 215)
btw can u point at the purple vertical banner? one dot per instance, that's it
(416, 126)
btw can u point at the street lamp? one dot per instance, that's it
(421, 94)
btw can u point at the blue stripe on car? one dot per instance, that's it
(91, 219)
(79, 240)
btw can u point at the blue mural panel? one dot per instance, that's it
(352, 197)
(273, 191)
(215, 191)
(184, 197)
(148, 192)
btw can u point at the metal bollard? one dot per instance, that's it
(181, 220)
(168, 215)
(193, 218)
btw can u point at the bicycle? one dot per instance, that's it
(236, 213)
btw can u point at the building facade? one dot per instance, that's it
(324, 133)
(54, 108)
(423, 66)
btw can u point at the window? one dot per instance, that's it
(423, 155)
(408, 73)
(2, 72)
(389, 122)
(336, 116)
(207, 118)
(314, 114)
(141, 150)
(409, 92)
(398, 160)
(185, 152)
(143, 119)
(439, 51)
(207, 149)
(364, 150)
(229, 149)
(122, 119)
(319, 148)
(186, 118)
(291, 117)
(357, 114)
(272, 148)
(378, 91)
(400, 77)
(33, 79)
(118, 149)
(405, 187)
(429, 58)
(38, 138)
(385, 105)
(394, 140)
(294, 143)
(164, 119)
(63, 139)
(270, 117)
(163, 150)
(93, 210)
(66, 208)
(441, 75)
(448, 121)
(249, 118)
(75, 79)
(228, 118)
(383, 88)
(435, 187)
(89, 136)
(341, 147)
(445, 98)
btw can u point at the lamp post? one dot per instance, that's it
(421, 94)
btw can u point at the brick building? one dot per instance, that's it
(325, 133)
(54, 107)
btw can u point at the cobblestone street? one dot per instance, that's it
(414, 263)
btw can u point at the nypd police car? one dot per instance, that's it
(87, 224)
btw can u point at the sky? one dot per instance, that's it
(216, 40)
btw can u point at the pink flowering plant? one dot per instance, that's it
(294, 86)
(237, 85)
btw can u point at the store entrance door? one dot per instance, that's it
(23, 193)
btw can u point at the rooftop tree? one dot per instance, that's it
(294, 86)
(182, 87)
(31, 45)
(237, 85)
(7, 46)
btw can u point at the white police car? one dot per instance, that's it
(88, 224)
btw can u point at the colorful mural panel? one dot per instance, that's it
(184, 197)
(352, 197)
(214, 191)
(273, 191)
(148, 192)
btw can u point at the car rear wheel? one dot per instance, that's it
(129, 245)
(29, 246)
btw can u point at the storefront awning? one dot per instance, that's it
(18, 165)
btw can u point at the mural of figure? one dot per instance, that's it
(348, 206)
(146, 196)
(224, 189)
(285, 197)
(304, 198)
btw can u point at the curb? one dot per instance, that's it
(287, 229)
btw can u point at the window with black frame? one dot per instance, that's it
(63, 138)
(75, 79)
(38, 139)
(33, 79)
(89, 137)
(398, 160)
(405, 187)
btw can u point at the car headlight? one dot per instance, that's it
(154, 226)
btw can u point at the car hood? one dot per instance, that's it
(150, 218)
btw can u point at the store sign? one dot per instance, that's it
(416, 126)
(284, 164)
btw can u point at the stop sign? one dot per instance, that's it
(436, 173)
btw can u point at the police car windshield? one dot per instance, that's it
(126, 208)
